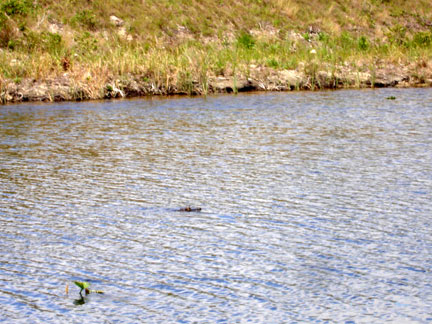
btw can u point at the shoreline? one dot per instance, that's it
(261, 78)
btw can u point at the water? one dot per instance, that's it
(316, 208)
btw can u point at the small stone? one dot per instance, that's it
(116, 21)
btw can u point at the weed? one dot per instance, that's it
(397, 35)
(11, 44)
(273, 63)
(85, 43)
(245, 40)
(8, 32)
(323, 37)
(16, 7)
(85, 18)
(422, 39)
(346, 41)
(373, 75)
(44, 41)
(185, 82)
(311, 71)
(363, 43)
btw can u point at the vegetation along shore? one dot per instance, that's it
(94, 49)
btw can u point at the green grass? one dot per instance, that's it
(185, 42)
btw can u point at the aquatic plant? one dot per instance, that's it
(85, 286)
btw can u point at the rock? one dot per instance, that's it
(183, 33)
(327, 80)
(265, 31)
(295, 36)
(387, 79)
(55, 28)
(113, 92)
(134, 88)
(231, 84)
(116, 21)
(123, 33)
(362, 77)
(292, 78)
(314, 30)
(38, 92)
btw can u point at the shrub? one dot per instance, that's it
(46, 41)
(323, 37)
(273, 63)
(52, 42)
(363, 43)
(245, 40)
(85, 18)
(397, 35)
(8, 32)
(16, 7)
(85, 43)
(422, 39)
(346, 41)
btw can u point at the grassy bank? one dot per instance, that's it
(96, 48)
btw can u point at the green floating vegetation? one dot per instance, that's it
(83, 285)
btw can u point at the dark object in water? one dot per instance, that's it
(189, 209)
(391, 98)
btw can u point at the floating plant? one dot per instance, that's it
(83, 285)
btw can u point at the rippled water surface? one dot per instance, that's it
(316, 207)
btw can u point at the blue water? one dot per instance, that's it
(316, 208)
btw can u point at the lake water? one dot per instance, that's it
(316, 208)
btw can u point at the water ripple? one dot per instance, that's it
(316, 209)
